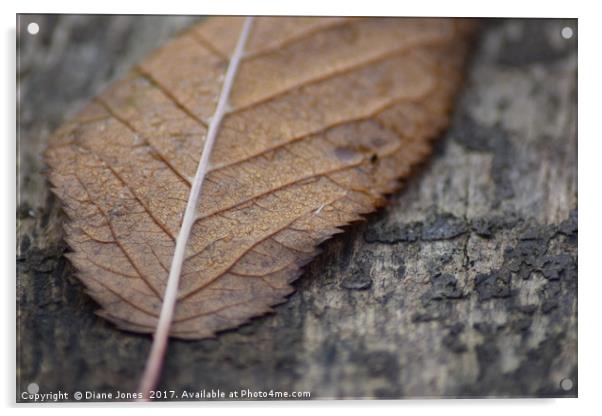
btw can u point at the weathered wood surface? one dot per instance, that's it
(466, 285)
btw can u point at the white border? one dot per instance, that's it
(590, 151)
(507, 8)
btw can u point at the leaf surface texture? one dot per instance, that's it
(326, 115)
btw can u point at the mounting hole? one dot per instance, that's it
(566, 384)
(33, 28)
(566, 32)
(33, 388)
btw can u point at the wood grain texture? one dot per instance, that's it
(464, 286)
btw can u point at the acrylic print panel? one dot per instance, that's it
(311, 271)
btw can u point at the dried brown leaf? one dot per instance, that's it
(326, 115)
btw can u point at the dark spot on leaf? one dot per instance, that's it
(346, 155)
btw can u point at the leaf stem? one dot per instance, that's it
(156, 357)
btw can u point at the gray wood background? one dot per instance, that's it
(464, 286)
